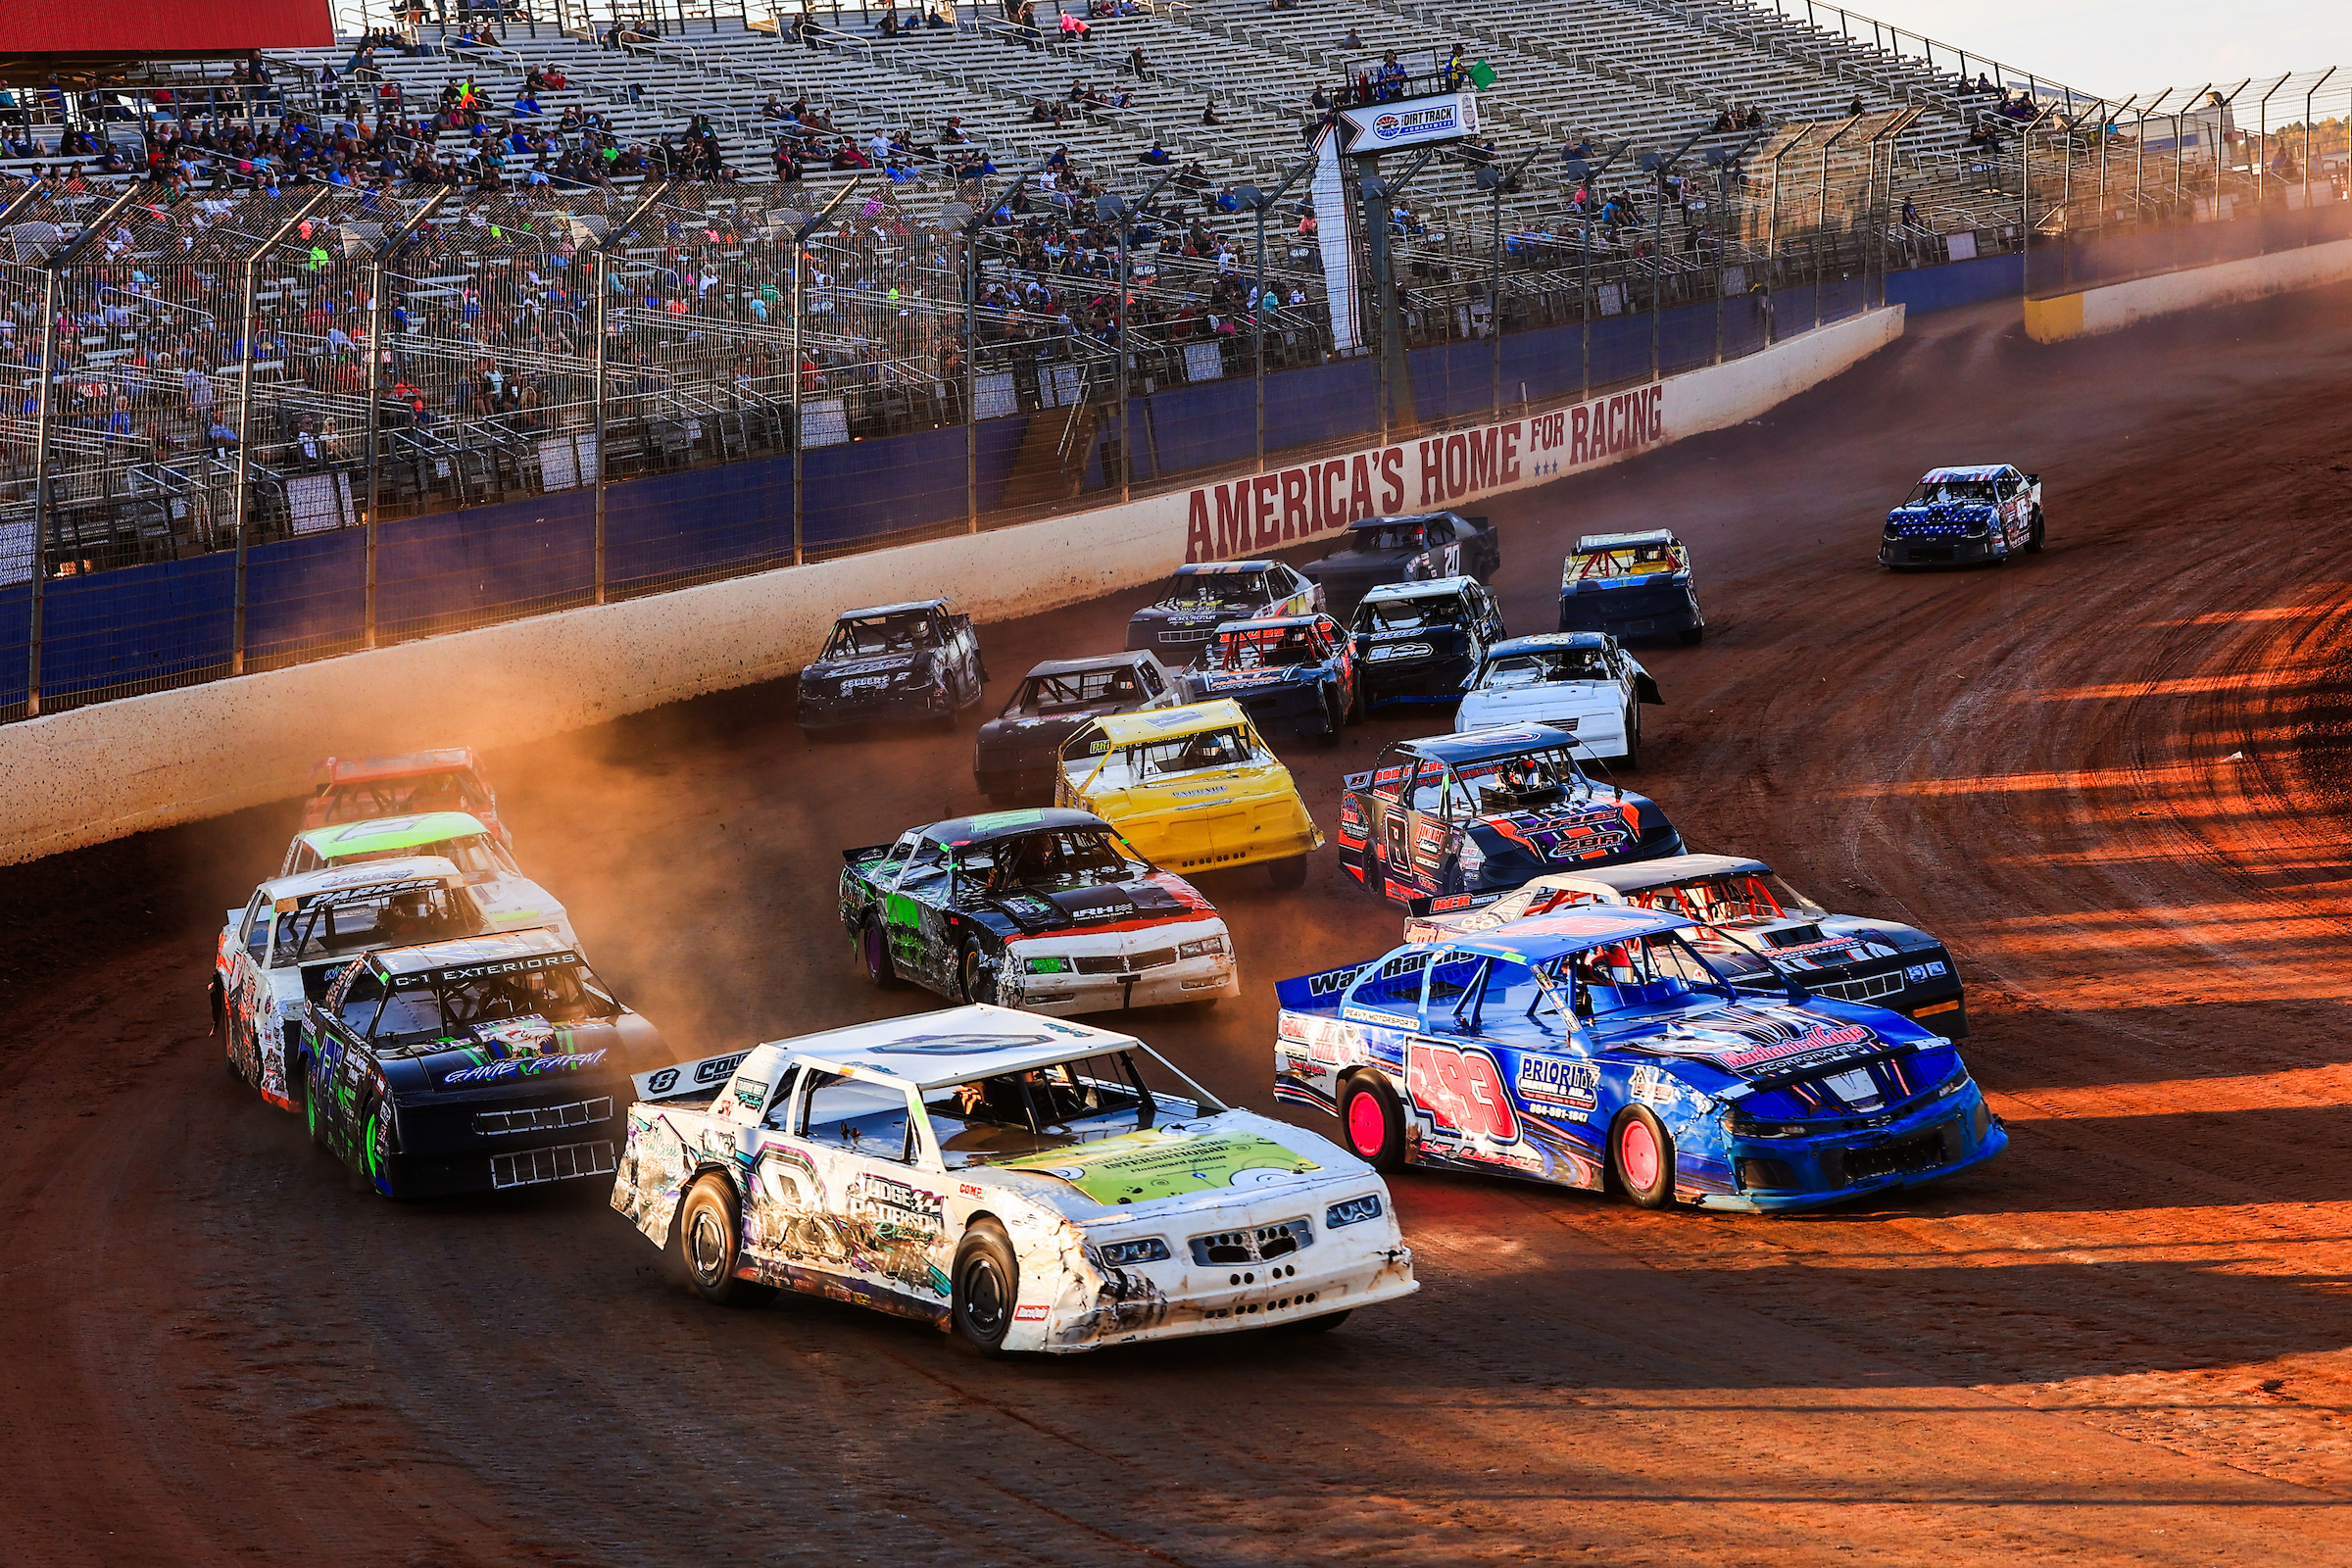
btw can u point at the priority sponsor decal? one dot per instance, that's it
(1546, 1081)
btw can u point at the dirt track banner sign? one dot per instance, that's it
(1409, 123)
(1267, 511)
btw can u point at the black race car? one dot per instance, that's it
(1020, 749)
(1420, 642)
(1414, 549)
(915, 661)
(1047, 910)
(1293, 672)
(470, 1065)
(1205, 596)
(1465, 818)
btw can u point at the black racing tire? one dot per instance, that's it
(973, 982)
(1334, 721)
(709, 1231)
(1372, 1122)
(1693, 636)
(1288, 873)
(873, 956)
(2033, 539)
(1642, 1157)
(1322, 1324)
(986, 1282)
(1356, 701)
(1631, 762)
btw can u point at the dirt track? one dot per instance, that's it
(2128, 1338)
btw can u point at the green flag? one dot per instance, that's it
(1482, 76)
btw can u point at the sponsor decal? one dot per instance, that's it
(1821, 1037)
(1029, 1314)
(1650, 1086)
(1107, 912)
(1461, 1090)
(663, 1082)
(525, 1067)
(750, 1094)
(481, 971)
(969, 1191)
(954, 1045)
(1332, 981)
(1146, 1167)
(1552, 1081)
(718, 1068)
(1925, 971)
(1327, 1040)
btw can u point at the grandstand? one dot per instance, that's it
(464, 261)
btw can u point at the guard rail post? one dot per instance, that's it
(241, 487)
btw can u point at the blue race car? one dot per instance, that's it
(1630, 1050)
(1957, 515)
(1293, 672)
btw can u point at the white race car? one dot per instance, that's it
(507, 900)
(297, 933)
(1580, 681)
(1012, 1177)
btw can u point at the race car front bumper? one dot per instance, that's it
(491, 1143)
(1785, 1175)
(892, 705)
(1112, 971)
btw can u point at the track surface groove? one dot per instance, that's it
(2111, 776)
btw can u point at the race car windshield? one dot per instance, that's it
(1396, 536)
(1010, 1114)
(865, 635)
(1191, 753)
(1641, 975)
(1218, 590)
(1953, 492)
(427, 1011)
(1043, 696)
(1743, 897)
(1270, 648)
(1048, 861)
(327, 928)
(1505, 783)
(1518, 671)
(1408, 615)
(455, 790)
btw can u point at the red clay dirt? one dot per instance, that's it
(2112, 776)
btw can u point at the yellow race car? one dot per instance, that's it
(1193, 789)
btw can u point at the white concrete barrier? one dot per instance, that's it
(95, 774)
(2114, 305)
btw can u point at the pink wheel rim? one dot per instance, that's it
(1367, 1127)
(1637, 1154)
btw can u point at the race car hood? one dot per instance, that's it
(1547, 703)
(1942, 517)
(1142, 901)
(1180, 621)
(1834, 940)
(529, 1052)
(1356, 569)
(1014, 740)
(1725, 1044)
(832, 669)
(1573, 830)
(1173, 1172)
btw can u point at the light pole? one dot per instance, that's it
(377, 356)
(1115, 209)
(1495, 181)
(1589, 174)
(800, 265)
(1260, 203)
(603, 301)
(238, 486)
(971, 227)
(1659, 168)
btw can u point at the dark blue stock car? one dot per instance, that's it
(1292, 672)
(1604, 1049)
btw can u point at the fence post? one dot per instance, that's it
(604, 296)
(241, 485)
(378, 358)
(40, 491)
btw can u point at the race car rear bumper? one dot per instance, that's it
(1432, 681)
(1303, 710)
(1960, 552)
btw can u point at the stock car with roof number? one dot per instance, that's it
(1418, 642)
(1020, 750)
(1962, 516)
(1193, 789)
(1473, 816)
(473, 1065)
(508, 899)
(1204, 596)
(1631, 585)
(1843, 956)
(359, 788)
(1420, 548)
(916, 661)
(1600, 1048)
(1292, 672)
(1579, 681)
(1028, 1184)
(1046, 910)
(296, 932)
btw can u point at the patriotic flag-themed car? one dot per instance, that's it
(1473, 816)
(1600, 1048)
(1030, 1183)
(1847, 957)
(1631, 585)
(1049, 910)
(1958, 515)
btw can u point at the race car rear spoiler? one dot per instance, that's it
(689, 1080)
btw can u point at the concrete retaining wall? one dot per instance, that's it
(96, 774)
(2118, 304)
